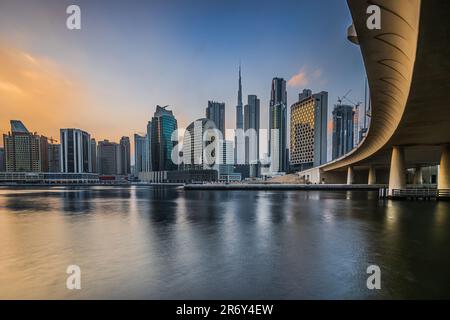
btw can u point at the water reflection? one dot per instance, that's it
(159, 242)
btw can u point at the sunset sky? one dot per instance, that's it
(131, 55)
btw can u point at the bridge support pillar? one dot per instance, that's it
(418, 176)
(444, 168)
(397, 173)
(372, 175)
(350, 175)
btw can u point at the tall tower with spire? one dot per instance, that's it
(238, 144)
(239, 107)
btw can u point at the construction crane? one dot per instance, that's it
(52, 141)
(344, 97)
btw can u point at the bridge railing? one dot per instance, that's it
(415, 193)
(444, 193)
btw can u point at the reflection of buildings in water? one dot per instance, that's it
(76, 201)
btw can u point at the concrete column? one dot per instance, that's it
(444, 168)
(397, 173)
(372, 175)
(350, 175)
(418, 176)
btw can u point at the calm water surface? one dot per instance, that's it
(162, 243)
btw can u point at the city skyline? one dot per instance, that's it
(49, 91)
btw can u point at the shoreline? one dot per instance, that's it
(287, 187)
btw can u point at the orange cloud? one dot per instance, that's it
(299, 79)
(303, 77)
(36, 91)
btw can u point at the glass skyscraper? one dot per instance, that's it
(277, 125)
(163, 124)
(252, 122)
(216, 113)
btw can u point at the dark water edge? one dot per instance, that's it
(167, 243)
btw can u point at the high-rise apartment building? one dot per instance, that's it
(343, 131)
(278, 125)
(308, 130)
(125, 154)
(162, 126)
(76, 156)
(22, 149)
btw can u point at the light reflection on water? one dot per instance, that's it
(160, 243)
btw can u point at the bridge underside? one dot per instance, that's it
(408, 69)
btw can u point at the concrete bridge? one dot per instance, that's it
(407, 63)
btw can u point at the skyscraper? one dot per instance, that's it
(125, 156)
(252, 122)
(162, 126)
(308, 130)
(22, 149)
(277, 125)
(239, 114)
(343, 120)
(54, 157)
(195, 142)
(43, 150)
(139, 153)
(216, 113)
(75, 151)
(147, 164)
(94, 156)
(109, 158)
(238, 147)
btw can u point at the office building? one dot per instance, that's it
(109, 158)
(308, 130)
(278, 125)
(216, 113)
(197, 137)
(75, 151)
(22, 149)
(343, 131)
(162, 126)
(251, 128)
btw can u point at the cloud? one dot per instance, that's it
(299, 79)
(304, 77)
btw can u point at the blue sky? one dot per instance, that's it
(131, 55)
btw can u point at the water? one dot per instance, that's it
(162, 243)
